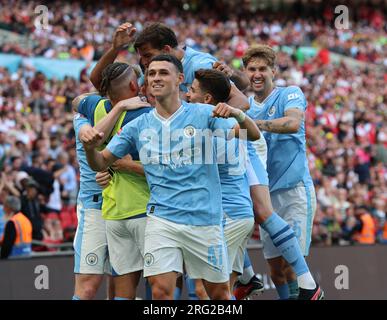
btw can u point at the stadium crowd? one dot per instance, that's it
(76, 31)
(346, 117)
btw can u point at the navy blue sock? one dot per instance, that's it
(177, 294)
(148, 291)
(191, 286)
(293, 289)
(283, 291)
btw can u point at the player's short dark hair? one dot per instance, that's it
(169, 58)
(215, 83)
(157, 35)
(112, 72)
(260, 51)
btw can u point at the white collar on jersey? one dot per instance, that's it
(260, 104)
(170, 119)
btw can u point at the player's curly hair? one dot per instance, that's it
(261, 51)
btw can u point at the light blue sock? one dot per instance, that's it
(284, 239)
(177, 294)
(75, 298)
(148, 291)
(191, 286)
(119, 298)
(283, 291)
(233, 297)
(293, 289)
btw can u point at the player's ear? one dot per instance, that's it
(133, 86)
(208, 99)
(274, 70)
(167, 49)
(180, 78)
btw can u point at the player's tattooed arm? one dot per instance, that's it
(290, 123)
(123, 36)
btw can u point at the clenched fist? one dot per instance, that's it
(90, 137)
(223, 110)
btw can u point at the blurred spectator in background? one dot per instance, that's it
(32, 208)
(360, 227)
(17, 236)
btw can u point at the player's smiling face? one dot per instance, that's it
(195, 94)
(163, 78)
(260, 74)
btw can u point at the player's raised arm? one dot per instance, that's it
(240, 82)
(123, 36)
(107, 124)
(90, 139)
(223, 110)
(290, 123)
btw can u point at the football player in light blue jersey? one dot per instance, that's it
(157, 39)
(212, 87)
(280, 113)
(184, 210)
(91, 253)
(120, 86)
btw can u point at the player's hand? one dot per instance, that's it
(103, 178)
(222, 67)
(123, 36)
(90, 137)
(132, 104)
(123, 164)
(223, 110)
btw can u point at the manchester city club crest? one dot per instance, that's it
(91, 259)
(148, 259)
(271, 111)
(189, 131)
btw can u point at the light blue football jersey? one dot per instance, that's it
(179, 162)
(194, 60)
(287, 164)
(231, 155)
(90, 193)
